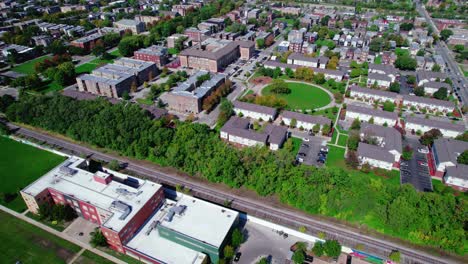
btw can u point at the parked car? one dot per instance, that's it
(237, 256)
(324, 150)
(423, 150)
(423, 164)
(301, 154)
(306, 139)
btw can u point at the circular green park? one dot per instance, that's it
(302, 96)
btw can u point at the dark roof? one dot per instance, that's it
(240, 127)
(306, 118)
(299, 56)
(371, 111)
(449, 149)
(255, 108)
(276, 134)
(154, 111)
(427, 75)
(374, 152)
(378, 76)
(196, 51)
(87, 96)
(383, 67)
(391, 137)
(429, 101)
(459, 171)
(435, 123)
(437, 85)
(360, 89)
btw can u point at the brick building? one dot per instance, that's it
(215, 54)
(128, 24)
(116, 202)
(113, 79)
(156, 54)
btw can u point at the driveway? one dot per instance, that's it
(262, 241)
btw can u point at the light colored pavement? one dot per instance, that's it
(76, 256)
(262, 241)
(61, 235)
(81, 229)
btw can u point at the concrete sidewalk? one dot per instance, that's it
(62, 235)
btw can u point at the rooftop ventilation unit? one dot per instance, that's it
(179, 210)
(132, 182)
(126, 192)
(122, 207)
(151, 227)
(67, 170)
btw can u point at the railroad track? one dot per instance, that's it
(258, 209)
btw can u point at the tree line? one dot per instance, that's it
(435, 219)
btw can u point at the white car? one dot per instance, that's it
(423, 164)
(423, 150)
(306, 139)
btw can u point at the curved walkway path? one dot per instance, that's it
(258, 90)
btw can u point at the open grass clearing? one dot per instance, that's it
(88, 257)
(302, 96)
(342, 140)
(24, 242)
(21, 164)
(28, 66)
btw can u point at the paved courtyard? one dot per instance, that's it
(262, 241)
(83, 227)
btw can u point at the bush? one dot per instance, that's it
(332, 248)
(98, 239)
(318, 249)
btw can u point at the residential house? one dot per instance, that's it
(415, 124)
(254, 111)
(307, 122)
(365, 114)
(428, 103)
(432, 87)
(371, 96)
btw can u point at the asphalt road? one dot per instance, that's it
(460, 83)
(282, 216)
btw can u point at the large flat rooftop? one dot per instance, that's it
(148, 242)
(116, 197)
(200, 220)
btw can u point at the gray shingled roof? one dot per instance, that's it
(383, 67)
(427, 75)
(435, 123)
(240, 127)
(391, 136)
(360, 89)
(276, 134)
(306, 118)
(255, 108)
(378, 76)
(459, 171)
(371, 111)
(374, 152)
(428, 101)
(449, 149)
(437, 85)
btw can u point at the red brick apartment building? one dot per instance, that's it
(119, 204)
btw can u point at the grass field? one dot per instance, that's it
(93, 64)
(24, 242)
(378, 60)
(342, 140)
(21, 164)
(125, 258)
(145, 101)
(89, 257)
(303, 96)
(28, 67)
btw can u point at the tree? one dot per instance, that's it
(318, 249)
(388, 106)
(406, 26)
(356, 125)
(428, 138)
(279, 86)
(316, 128)
(114, 165)
(419, 91)
(395, 87)
(293, 123)
(353, 141)
(228, 251)
(237, 238)
(125, 95)
(298, 257)
(326, 129)
(411, 79)
(332, 248)
(263, 261)
(436, 68)
(445, 34)
(4, 130)
(459, 48)
(289, 72)
(463, 158)
(406, 63)
(5, 101)
(98, 239)
(441, 94)
(260, 43)
(371, 120)
(420, 52)
(407, 153)
(395, 256)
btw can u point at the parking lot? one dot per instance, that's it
(416, 171)
(261, 241)
(308, 153)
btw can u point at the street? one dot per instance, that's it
(271, 212)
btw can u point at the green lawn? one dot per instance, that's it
(327, 112)
(85, 68)
(296, 144)
(116, 53)
(335, 157)
(21, 164)
(24, 242)
(52, 86)
(89, 257)
(57, 226)
(28, 67)
(123, 257)
(401, 52)
(303, 96)
(144, 101)
(342, 140)
(378, 60)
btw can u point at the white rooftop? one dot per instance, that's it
(201, 220)
(68, 178)
(148, 242)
